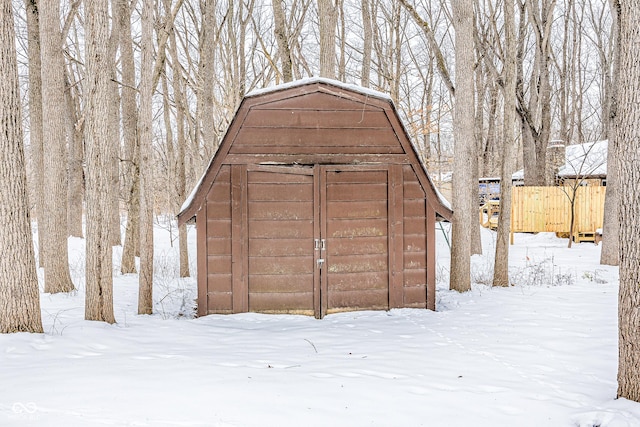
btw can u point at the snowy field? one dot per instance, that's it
(541, 353)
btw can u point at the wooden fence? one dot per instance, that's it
(537, 209)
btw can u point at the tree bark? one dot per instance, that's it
(205, 79)
(628, 130)
(328, 20)
(501, 263)
(113, 42)
(463, 119)
(35, 118)
(98, 140)
(536, 113)
(19, 299)
(610, 253)
(180, 183)
(56, 254)
(75, 130)
(130, 163)
(145, 295)
(367, 48)
(280, 31)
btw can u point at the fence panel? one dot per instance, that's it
(537, 209)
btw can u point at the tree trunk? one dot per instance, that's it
(328, 20)
(205, 79)
(75, 130)
(115, 238)
(180, 183)
(610, 253)
(130, 168)
(19, 299)
(56, 260)
(99, 263)
(35, 118)
(463, 119)
(536, 114)
(342, 62)
(501, 263)
(280, 31)
(145, 295)
(367, 35)
(628, 130)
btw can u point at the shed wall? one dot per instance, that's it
(316, 178)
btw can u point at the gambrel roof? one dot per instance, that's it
(364, 124)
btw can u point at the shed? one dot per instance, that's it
(315, 202)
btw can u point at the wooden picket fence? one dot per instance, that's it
(537, 209)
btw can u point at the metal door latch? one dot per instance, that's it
(320, 262)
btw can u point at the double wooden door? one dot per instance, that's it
(318, 239)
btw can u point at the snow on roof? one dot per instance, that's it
(588, 159)
(441, 197)
(312, 80)
(585, 159)
(443, 177)
(518, 175)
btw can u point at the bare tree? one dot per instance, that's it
(178, 163)
(75, 131)
(328, 20)
(113, 155)
(463, 119)
(35, 117)
(19, 299)
(131, 146)
(280, 31)
(501, 266)
(536, 113)
(367, 35)
(463, 197)
(99, 263)
(206, 73)
(145, 293)
(628, 138)
(583, 161)
(610, 254)
(56, 258)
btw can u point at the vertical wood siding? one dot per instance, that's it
(306, 165)
(415, 250)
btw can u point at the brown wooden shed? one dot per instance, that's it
(315, 202)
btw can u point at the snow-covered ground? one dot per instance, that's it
(541, 353)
